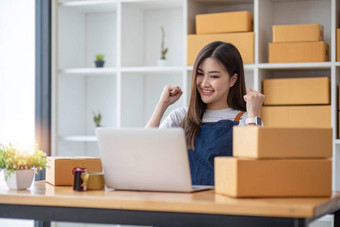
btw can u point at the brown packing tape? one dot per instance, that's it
(93, 181)
(78, 162)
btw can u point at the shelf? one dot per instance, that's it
(307, 65)
(91, 6)
(89, 71)
(78, 138)
(154, 4)
(153, 69)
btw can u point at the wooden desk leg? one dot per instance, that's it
(42, 224)
(337, 218)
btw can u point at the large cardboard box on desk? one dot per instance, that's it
(264, 142)
(59, 171)
(273, 177)
(244, 42)
(298, 52)
(297, 33)
(297, 116)
(212, 23)
(297, 91)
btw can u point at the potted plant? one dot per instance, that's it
(99, 60)
(162, 60)
(97, 118)
(20, 165)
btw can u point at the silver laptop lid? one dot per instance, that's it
(145, 159)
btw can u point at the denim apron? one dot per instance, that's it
(213, 139)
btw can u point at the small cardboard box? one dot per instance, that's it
(297, 33)
(338, 44)
(273, 177)
(298, 52)
(297, 116)
(244, 42)
(297, 91)
(264, 143)
(59, 171)
(212, 23)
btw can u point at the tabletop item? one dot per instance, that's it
(93, 181)
(78, 183)
(245, 177)
(60, 168)
(281, 142)
(145, 159)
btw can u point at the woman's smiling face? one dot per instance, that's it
(213, 83)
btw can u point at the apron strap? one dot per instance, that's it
(238, 116)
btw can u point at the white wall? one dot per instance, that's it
(17, 69)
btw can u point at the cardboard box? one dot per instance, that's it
(273, 177)
(297, 116)
(59, 171)
(297, 33)
(297, 91)
(244, 42)
(212, 23)
(263, 142)
(298, 52)
(338, 44)
(339, 97)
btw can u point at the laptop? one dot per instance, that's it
(145, 159)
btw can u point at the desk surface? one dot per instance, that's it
(44, 194)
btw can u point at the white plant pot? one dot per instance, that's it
(161, 62)
(20, 179)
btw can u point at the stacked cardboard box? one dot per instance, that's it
(297, 102)
(276, 162)
(231, 27)
(298, 43)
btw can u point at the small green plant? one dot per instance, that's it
(13, 158)
(99, 57)
(163, 50)
(97, 118)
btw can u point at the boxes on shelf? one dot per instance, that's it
(297, 116)
(241, 21)
(297, 33)
(263, 142)
(243, 41)
(59, 171)
(297, 91)
(338, 44)
(240, 177)
(298, 52)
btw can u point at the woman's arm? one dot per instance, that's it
(169, 96)
(254, 100)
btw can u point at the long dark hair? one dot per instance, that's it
(228, 55)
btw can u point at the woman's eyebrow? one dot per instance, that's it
(216, 71)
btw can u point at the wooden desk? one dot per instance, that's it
(45, 203)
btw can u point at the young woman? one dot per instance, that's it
(218, 102)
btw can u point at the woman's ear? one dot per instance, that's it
(233, 80)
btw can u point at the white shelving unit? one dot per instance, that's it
(128, 33)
